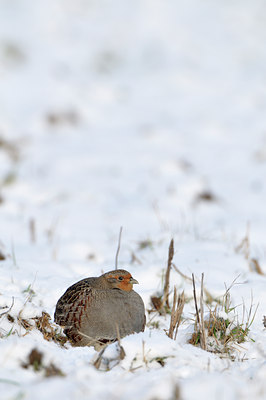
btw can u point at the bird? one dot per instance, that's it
(100, 310)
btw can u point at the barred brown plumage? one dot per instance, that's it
(95, 311)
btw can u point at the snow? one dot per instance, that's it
(124, 114)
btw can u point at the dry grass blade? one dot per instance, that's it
(244, 245)
(96, 343)
(106, 363)
(144, 357)
(195, 299)
(118, 247)
(187, 278)
(202, 327)
(135, 259)
(177, 309)
(173, 319)
(255, 266)
(122, 352)
(250, 317)
(10, 148)
(97, 362)
(165, 301)
(199, 316)
(176, 393)
(208, 296)
(244, 248)
(8, 309)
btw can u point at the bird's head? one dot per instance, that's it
(119, 279)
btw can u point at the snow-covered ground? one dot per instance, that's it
(149, 115)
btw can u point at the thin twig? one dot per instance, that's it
(118, 247)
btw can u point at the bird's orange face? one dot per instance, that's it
(121, 279)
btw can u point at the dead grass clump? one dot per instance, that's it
(221, 331)
(2, 255)
(10, 318)
(105, 363)
(43, 324)
(156, 302)
(176, 314)
(144, 244)
(25, 323)
(35, 362)
(34, 359)
(205, 196)
(49, 331)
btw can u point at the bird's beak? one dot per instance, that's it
(133, 281)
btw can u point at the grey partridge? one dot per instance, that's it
(96, 311)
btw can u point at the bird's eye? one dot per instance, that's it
(120, 278)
